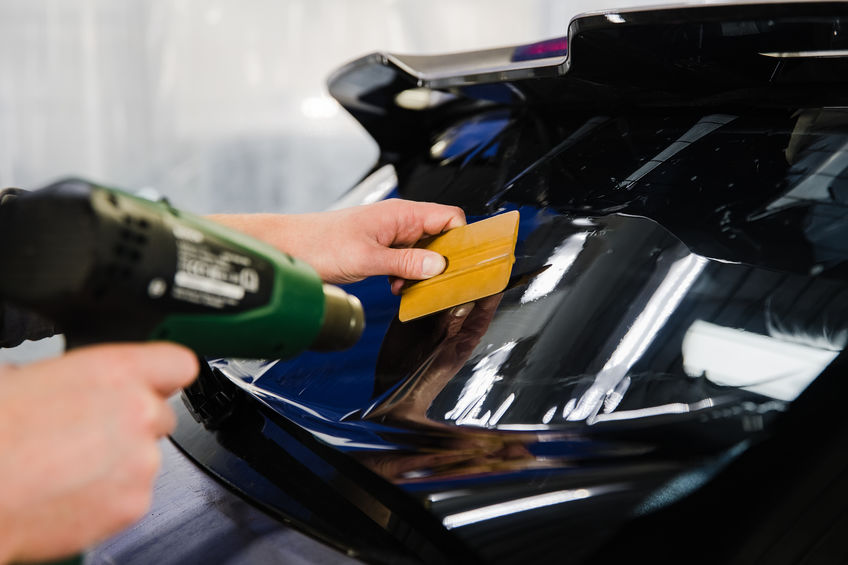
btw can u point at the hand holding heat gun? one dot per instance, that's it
(108, 266)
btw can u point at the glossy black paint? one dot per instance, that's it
(588, 411)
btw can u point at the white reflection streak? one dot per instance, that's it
(705, 126)
(659, 308)
(486, 374)
(569, 407)
(673, 408)
(374, 187)
(262, 393)
(248, 370)
(341, 441)
(514, 506)
(656, 312)
(615, 396)
(561, 260)
(758, 363)
(821, 53)
(502, 409)
(440, 496)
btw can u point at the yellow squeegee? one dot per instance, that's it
(479, 262)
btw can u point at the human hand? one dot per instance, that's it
(348, 245)
(79, 436)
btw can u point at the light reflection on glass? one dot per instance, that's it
(502, 409)
(372, 188)
(422, 98)
(234, 374)
(346, 442)
(447, 495)
(821, 53)
(816, 184)
(438, 149)
(568, 408)
(616, 395)
(662, 303)
(673, 408)
(485, 374)
(686, 483)
(763, 364)
(248, 370)
(705, 126)
(561, 260)
(522, 505)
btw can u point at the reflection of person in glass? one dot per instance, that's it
(427, 352)
(419, 358)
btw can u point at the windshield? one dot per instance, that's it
(672, 269)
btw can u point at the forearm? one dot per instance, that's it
(299, 235)
(275, 229)
(347, 245)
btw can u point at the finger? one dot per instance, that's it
(396, 284)
(169, 367)
(438, 218)
(154, 416)
(418, 219)
(413, 264)
(165, 367)
(166, 420)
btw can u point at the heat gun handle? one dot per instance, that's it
(108, 266)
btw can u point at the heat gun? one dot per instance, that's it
(109, 266)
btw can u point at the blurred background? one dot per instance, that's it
(220, 105)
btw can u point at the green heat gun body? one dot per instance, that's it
(108, 266)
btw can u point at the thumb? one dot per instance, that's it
(413, 264)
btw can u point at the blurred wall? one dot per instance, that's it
(219, 104)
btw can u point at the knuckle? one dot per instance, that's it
(149, 465)
(142, 412)
(114, 365)
(408, 262)
(142, 468)
(133, 506)
(168, 421)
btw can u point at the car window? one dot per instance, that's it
(672, 269)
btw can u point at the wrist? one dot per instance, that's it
(270, 228)
(8, 542)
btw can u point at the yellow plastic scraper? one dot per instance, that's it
(479, 262)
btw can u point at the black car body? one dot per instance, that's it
(664, 377)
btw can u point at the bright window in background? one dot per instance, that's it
(758, 363)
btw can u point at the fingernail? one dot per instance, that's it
(462, 310)
(432, 265)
